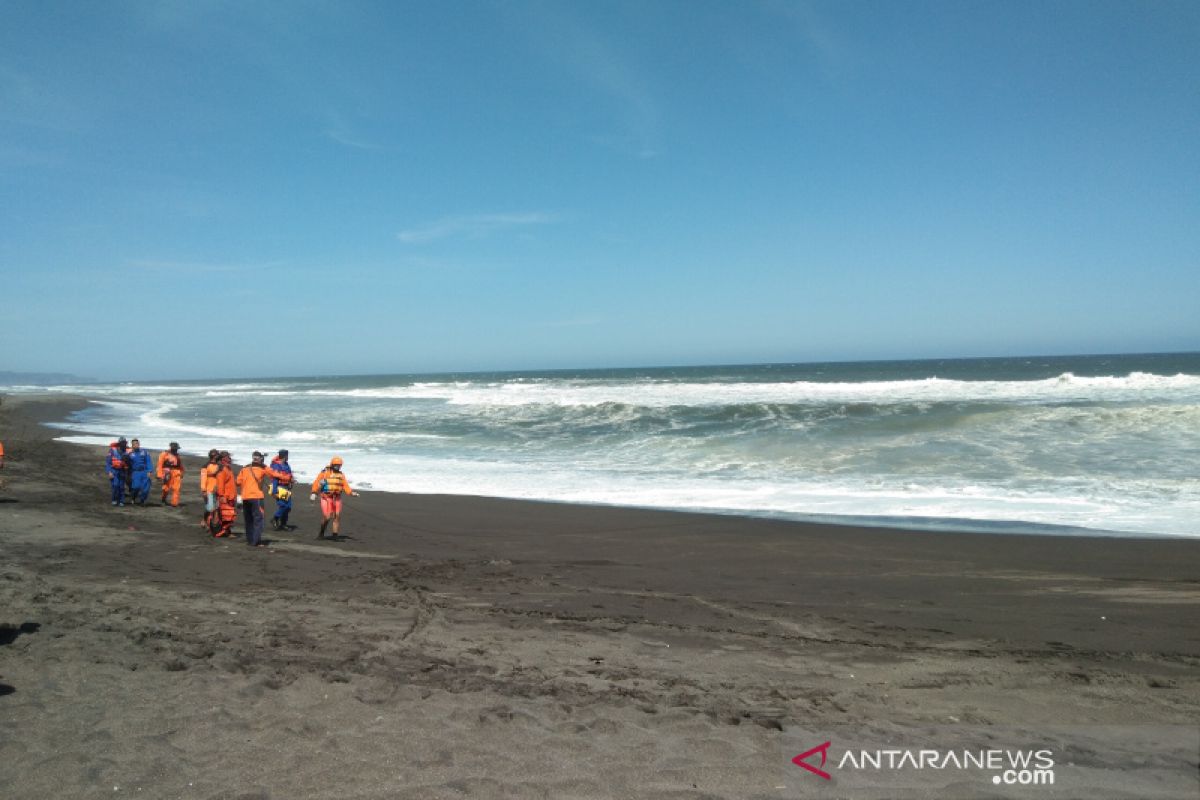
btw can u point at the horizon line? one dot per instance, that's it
(507, 371)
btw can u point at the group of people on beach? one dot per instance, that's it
(129, 471)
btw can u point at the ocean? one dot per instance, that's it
(1085, 444)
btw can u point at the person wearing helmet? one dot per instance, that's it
(115, 466)
(170, 472)
(281, 490)
(331, 484)
(139, 462)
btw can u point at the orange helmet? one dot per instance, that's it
(336, 460)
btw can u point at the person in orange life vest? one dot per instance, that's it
(331, 484)
(138, 461)
(250, 496)
(1, 455)
(115, 466)
(170, 472)
(208, 489)
(225, 487)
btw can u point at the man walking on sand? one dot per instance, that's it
(225, 487)
(115, 466)
(331, 484)
(170, 472)
(138, 461)
(250, 495)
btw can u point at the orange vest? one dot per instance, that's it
(330, 482)
(207, 478)
(168, 461)
(224, 484)
(250, 482)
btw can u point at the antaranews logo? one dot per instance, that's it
(884, 760)
(1008, 767)
(800, 760)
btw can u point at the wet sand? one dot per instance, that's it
(452, 647)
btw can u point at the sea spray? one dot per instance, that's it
(1095, 443)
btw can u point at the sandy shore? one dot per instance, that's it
(455, 647)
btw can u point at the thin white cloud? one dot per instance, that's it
(472, 226)
(834, 53)
(607, 69)
(348, 139)
(348, 133)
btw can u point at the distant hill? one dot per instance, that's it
(39, 378)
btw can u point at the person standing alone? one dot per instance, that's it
(331, 484)
(170, 472)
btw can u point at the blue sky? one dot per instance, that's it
(210, 189)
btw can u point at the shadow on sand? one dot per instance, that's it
(8, 635)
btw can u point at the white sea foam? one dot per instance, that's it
(1064, 388)
(1109, 453)
(1067, 387)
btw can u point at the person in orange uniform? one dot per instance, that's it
(208, 489)
(170, 472)
(225, 487)
(250, 495)
(331, 484)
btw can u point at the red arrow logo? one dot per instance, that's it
(823, 749)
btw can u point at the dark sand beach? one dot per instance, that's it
(453, 647)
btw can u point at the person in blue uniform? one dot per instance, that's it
(281, 490)
(117, 469)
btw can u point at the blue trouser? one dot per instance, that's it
(282, 509)
(117, 479)
(252, 512)
(140, 487)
